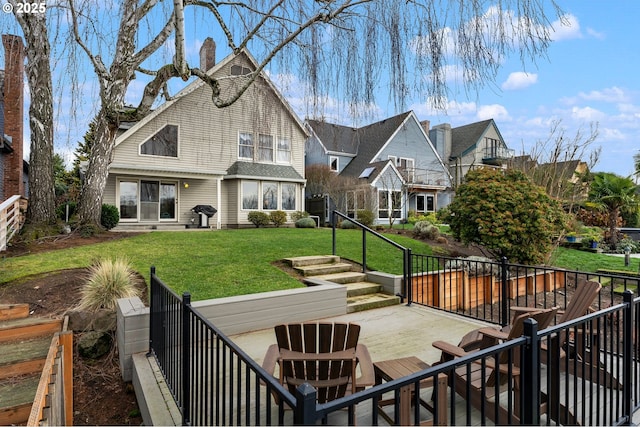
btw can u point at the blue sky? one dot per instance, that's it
(589, 76)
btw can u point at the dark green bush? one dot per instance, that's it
(305, 222)
(258, 218)
(109, 217)
(365, 217)
(278, 218)
(348, 225)
(61, 210)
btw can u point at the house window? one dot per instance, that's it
(396, 204)
(265, 148)
(163, 143)
(383, 204)
(239, 70)
(407, 168)
(148, 200)
(430, 204)
(420, 203)
(333, 163)
(284, 151)
(245, 146)
(389, 201)
(250, 195)
(269, 196)
(288, 197)
(128, 200)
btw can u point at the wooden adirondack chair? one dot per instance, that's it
(321, 354)
(484, 380)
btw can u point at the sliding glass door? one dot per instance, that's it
(148, 201)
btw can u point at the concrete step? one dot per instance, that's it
(370, 301)
(323, 269)
(302, 261)
(362, 288)
(343, 278)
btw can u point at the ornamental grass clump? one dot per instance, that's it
(109, 280)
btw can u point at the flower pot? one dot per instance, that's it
(571, 239)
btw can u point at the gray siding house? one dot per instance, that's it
(393, 158)
(242, 158)
(471, 146)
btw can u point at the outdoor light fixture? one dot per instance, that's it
(186, 184)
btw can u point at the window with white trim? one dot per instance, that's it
(265, 148)
(269, 196)
(249, 194)
(245, 145)
(289, 197)
(283, 154)
(163, 143)
(334, 163)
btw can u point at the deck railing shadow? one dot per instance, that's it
(215, 383)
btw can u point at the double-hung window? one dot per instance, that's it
(265, 148)
(284, 151)
(245, 146)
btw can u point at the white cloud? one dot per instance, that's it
(565, 28)
(519, 80)
(596, 34)
(587, 114)
(494, 111)
(607, 134)
(612, 94)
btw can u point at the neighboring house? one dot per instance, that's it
(13, 168)
(242, 158)
(392, 163)
(561, 180)
(471, 146)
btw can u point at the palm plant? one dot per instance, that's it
(613, 193)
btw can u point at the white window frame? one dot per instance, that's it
(240, 145)
(258, 192)
(138, 182)
(285, 151)
(295, 196)
(177, 156)
(262, 138)
(337, 160)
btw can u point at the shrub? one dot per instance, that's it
(444, 215)
(365, 217)
(258, 218)
(109, 217)
(278, 218)
(426, 230)
(295, 216)
(507, 214)
(61, 210)
(306, 222)
(109, 280)
(348, 225)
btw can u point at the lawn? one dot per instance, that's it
(221, 263)
(573, 259)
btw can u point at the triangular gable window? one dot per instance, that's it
(164, 143)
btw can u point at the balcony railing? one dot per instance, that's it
(497, 155)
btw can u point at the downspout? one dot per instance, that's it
(219, 198)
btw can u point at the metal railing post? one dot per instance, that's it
(504, 271)
(152, 308)
(408, 278)
(627, 366)
(186, 358)
(333, 231)
(364, 250)
(305, 410)
(530, 378)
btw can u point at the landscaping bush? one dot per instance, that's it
(507, 214)
(426, 230)
(444, 215)
(258, 218)
(109, 217)
(109, 280)
(278, 218)
(305, 222)
(295, 216)
(348, 225)
(365, 217)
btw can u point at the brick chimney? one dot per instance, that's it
(425, 126)
(207, 54)
(13, 99)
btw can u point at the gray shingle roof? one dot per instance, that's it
(464, 137)
(263, 170)
(364, 142)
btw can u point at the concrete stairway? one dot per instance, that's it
(361, 293)
(24, 344)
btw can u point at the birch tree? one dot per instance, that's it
(41, 208)
(339, 48)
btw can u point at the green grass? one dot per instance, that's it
(574, 259)
(217, 264)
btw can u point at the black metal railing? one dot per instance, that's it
(487, 290)
(584, 371)
(405, 253)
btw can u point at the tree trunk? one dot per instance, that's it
(42, 207)
(613, 220)
(95, 180)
